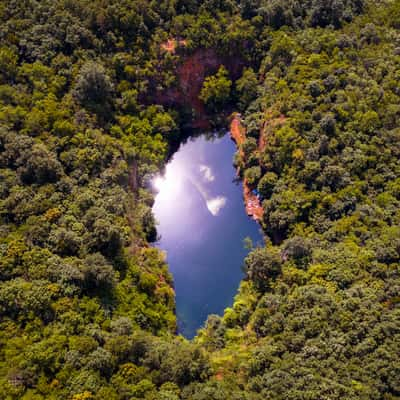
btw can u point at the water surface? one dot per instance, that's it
(202, 226)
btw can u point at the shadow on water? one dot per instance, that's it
(186, 135)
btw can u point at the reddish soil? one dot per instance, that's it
(237, 131)
(191, 70)
(251, 201)
(171, 44)
(219, 376)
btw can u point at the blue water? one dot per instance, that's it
(202, 226)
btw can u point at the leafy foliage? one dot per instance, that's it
(87, 306)
(216, 90)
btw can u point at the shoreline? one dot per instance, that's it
(252, 202)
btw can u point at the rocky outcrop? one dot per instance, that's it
(191, 70)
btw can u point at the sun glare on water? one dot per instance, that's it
(158, 183)
(170, 183)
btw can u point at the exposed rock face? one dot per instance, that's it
(191, 71)
(252, 202)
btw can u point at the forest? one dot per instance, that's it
(94, 98)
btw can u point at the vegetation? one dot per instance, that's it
(216, 90)
(87, 306)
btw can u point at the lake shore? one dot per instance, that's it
(252, 202)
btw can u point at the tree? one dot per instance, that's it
(98, 272)
(267, 183)
(93, 87)
(246, 87)
(262, 266)
(39, 165)
(8, 64)
(297, 248)
(252, 175)
(216, 90)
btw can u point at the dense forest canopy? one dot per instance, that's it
(90, 109)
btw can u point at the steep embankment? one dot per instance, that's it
(251, 200)
(191, 70)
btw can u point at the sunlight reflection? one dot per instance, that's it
(172, 187)
(170, 183)
(158, 183)
(202, 223)
(215, 205)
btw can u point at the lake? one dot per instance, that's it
(202, 225)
